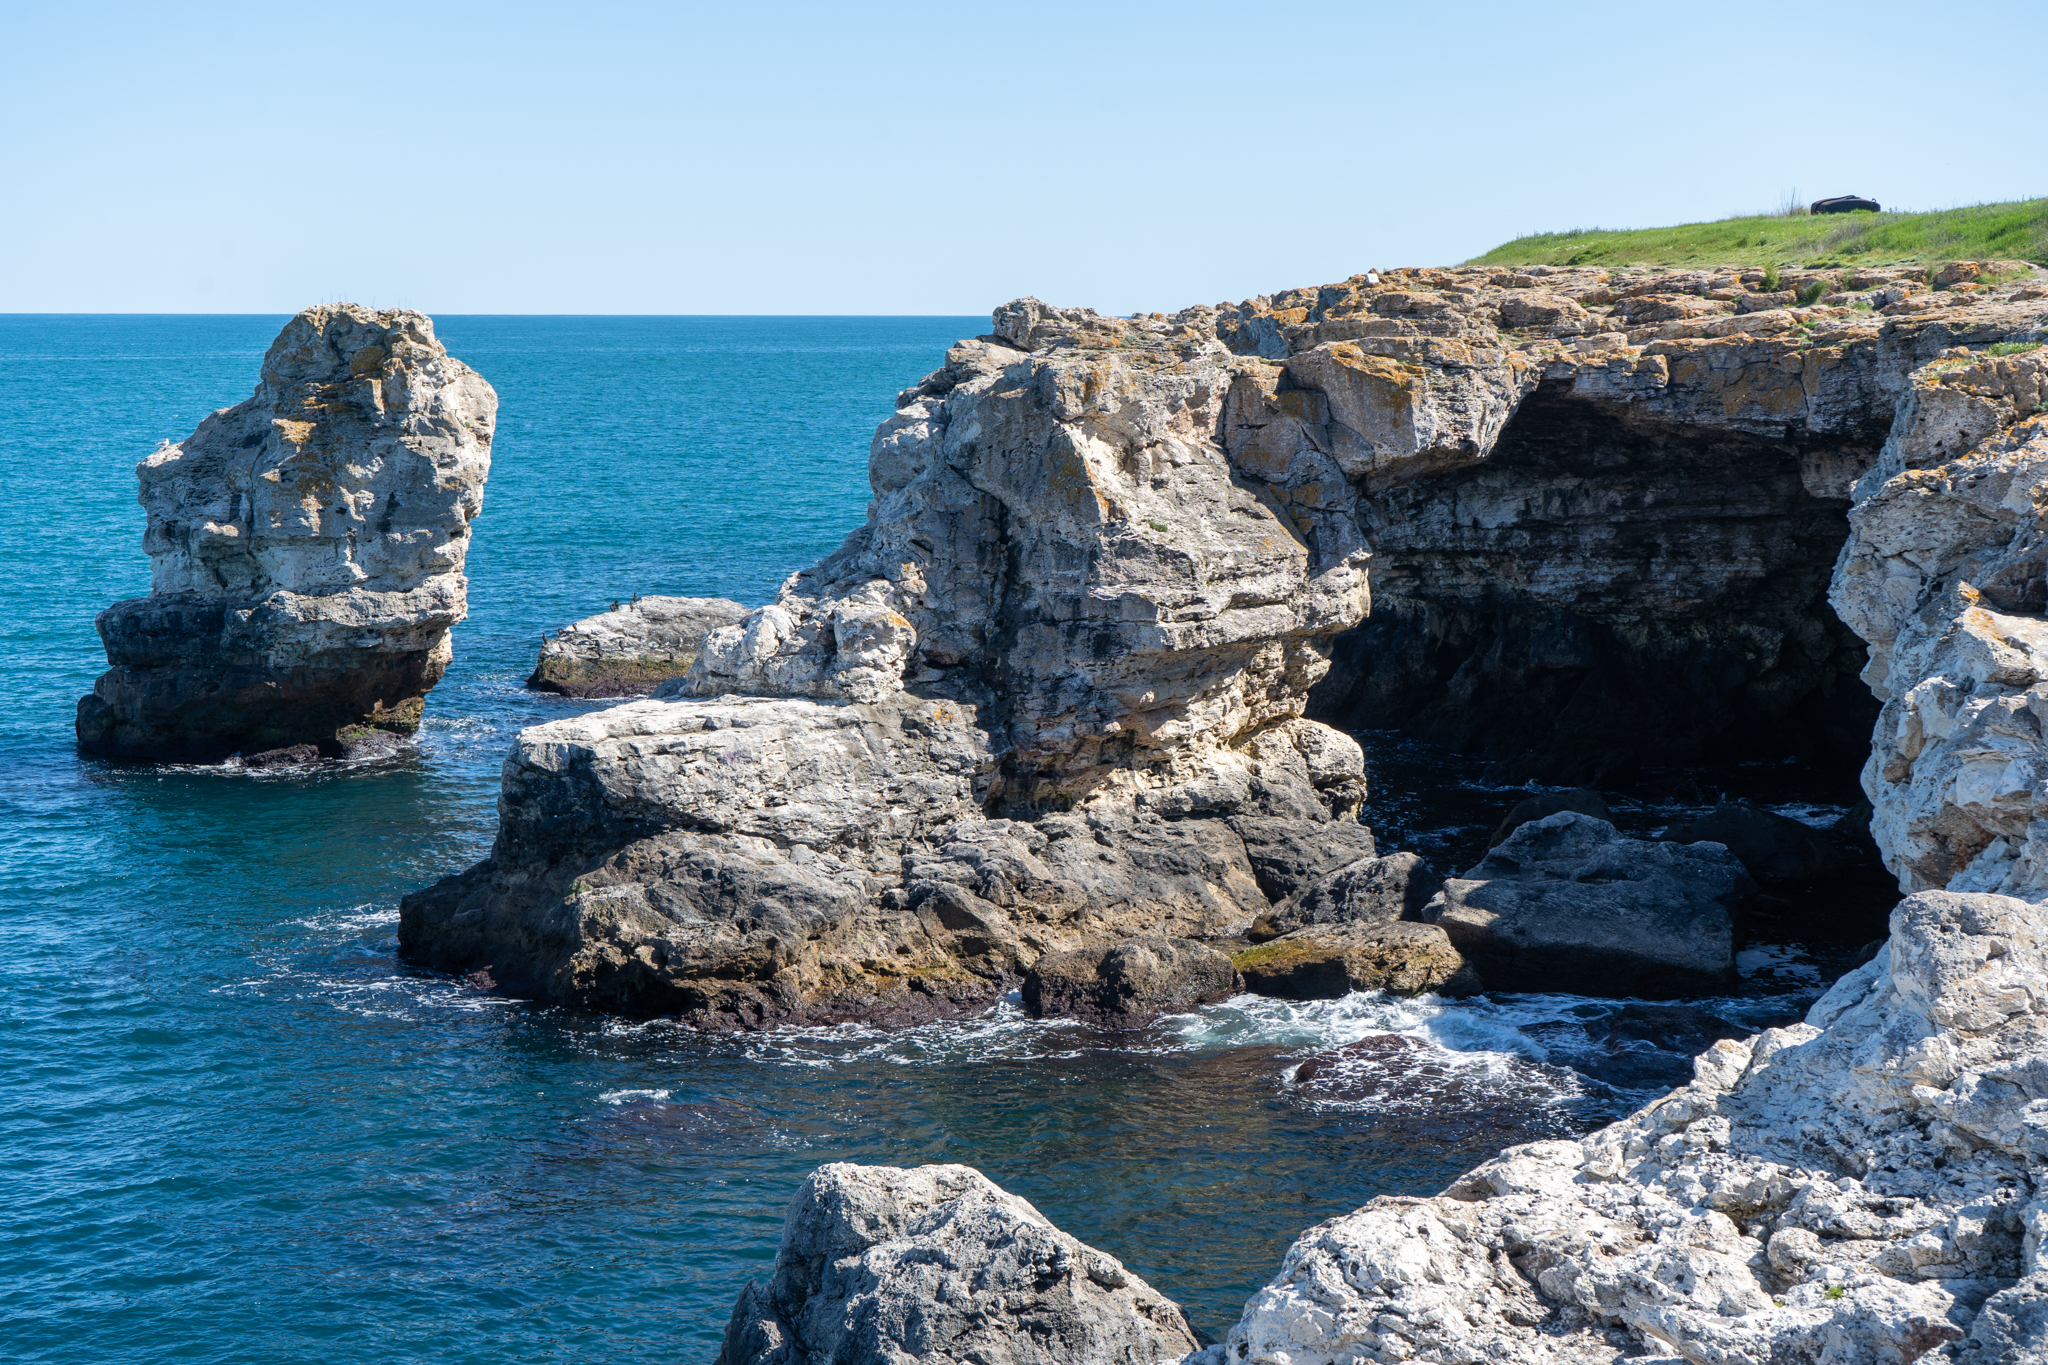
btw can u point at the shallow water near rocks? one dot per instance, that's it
(235, 1127)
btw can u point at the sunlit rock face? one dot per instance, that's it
(306, 550)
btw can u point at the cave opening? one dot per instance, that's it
(1616, 601)
(1609, 591)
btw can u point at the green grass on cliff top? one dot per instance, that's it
(2016, 231)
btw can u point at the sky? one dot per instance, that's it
(940, 158)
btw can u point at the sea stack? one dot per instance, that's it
(306, 552)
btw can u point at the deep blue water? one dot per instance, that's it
(234, 1127)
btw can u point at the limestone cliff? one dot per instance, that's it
(1038, 702)
(631, 649)
(305, 550)
(1052, 694)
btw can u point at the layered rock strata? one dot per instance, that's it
(939, 1265)
(1609, 534)
(305, 550)
(631, 649)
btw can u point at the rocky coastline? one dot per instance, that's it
(1056, 719)
(306, 550)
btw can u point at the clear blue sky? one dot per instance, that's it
(940, 158)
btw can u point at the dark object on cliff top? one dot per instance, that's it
(939, 1264)
(1847, 203)
(305, 550)
(1567, 903)
(1130, 984)
(1773, 847)
(1582, 800)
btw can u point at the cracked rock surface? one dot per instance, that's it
(305, 549)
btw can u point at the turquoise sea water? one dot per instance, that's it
(234, 1127)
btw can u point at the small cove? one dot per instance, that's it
(238, 1128)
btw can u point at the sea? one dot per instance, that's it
(236, 1127)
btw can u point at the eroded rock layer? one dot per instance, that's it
(1624, 548)
(305, 550)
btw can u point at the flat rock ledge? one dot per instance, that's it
(306, 551)
(941, 1266)
(630, 649)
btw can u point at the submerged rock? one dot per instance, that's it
(631, 649)
(305, 550)
(1864, 1186)
(1568, 903)
(939, 1265)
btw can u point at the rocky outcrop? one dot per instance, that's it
(1129, 984)
(305, 550)
(1568, 903)
(1026, 709)
(939, 1265)
(1367, 891)
(1864, 1186)
(1944, 575)
(631, 649)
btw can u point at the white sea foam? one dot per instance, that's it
(628, 1096)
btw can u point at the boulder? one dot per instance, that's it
(1774, 848)
(1367, 891)
(1567, 903)
(1328, 962)
(1581, 799)
(631, 649)
(1130, 984)
(305, 548)
(1863, 1186)
(939, 1265)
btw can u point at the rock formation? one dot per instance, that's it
(1604, 509)
(305, 551)
(1944, 576)
(1567, 903)
(1025, 709)
(1606, 530)
(631, 649)
(1128, 984)
(1864, 1186)
(1051, 696)
(939, 1265)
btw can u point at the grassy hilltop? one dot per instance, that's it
(2016, 231)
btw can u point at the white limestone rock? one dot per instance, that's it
(1944, 576)
(1862, 1187)
(880, 1266)
(306, 550)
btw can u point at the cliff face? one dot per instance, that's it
(305, 550)
(1622, 546)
